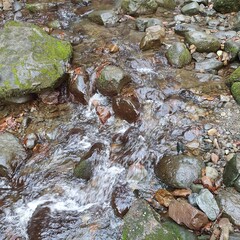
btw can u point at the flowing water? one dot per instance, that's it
(42, 199)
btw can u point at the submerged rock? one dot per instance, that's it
(141, 216)
(178, 55)
(231, 174)
(83, 170)
(226, 6)
(153, 38)
(203, 42)
(111, 80)
(229, 200)
(30, 62)
(107, 18)
(178, 171)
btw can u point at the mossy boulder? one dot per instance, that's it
(136, 7)
(233, 81)
(143, 223)
(30, 59)
(224, 6)
(232, 48)
(178, 55)
(203, 42)
(235, 90)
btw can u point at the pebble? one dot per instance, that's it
(214, 158)
(211, 172)
(212, 132)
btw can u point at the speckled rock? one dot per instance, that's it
(203, 42)
(229, 200)
(30, 62)
(178, 171)
(178, 55)
(226, 6)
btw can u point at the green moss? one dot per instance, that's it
(235, 90)
(234, 77)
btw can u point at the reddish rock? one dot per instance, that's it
(184, 213)
(164, 197)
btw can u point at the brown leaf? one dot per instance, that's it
(181, 192)
(163, 197)
(103, 114)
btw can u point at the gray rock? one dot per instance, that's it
(208, 65)
(153, 38)
(222, 35)
(182, 29)
(229, 200)
(236, 25)
(232, 48)
(178, 55)
(30, 62)
(203, 42)
(207, 203)
(234, 236)
(190, 8)
(226, 6)
(178, 171)
(231, 173)
(143, 23)
(11, 156)
(134, 7)
(111, 80)
(107, 18)
(140, 216)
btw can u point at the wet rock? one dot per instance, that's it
(83, 170)
(107, 18)
(126, 108)
(236, 25)
(211, 172)
(43, 6)
(208, 65)
(134, 7)
(136, 173)
(37, 61)
(178, 171)
(178, 55)
(203, 42)
(226, 6)
(122, 198)
(232, 48)
(153, 38)
(78, 87)
(111, 80)
(169, 4)
(183, 28)
(234, 236)
(231, 173)
(143, 23)
(207, 203)
(141, 216)
(11, 157)
(20, 99)
(190, 8)
(183, 213)
(228, 200)
(164, 197)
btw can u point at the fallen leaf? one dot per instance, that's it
(103, 114)
(164, 197)
(181, 192)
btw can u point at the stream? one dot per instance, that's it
(42, 199)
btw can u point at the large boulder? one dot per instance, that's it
(143, 223)
(223, 6)
(203, 42)
(30, 59)
(178, 171)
